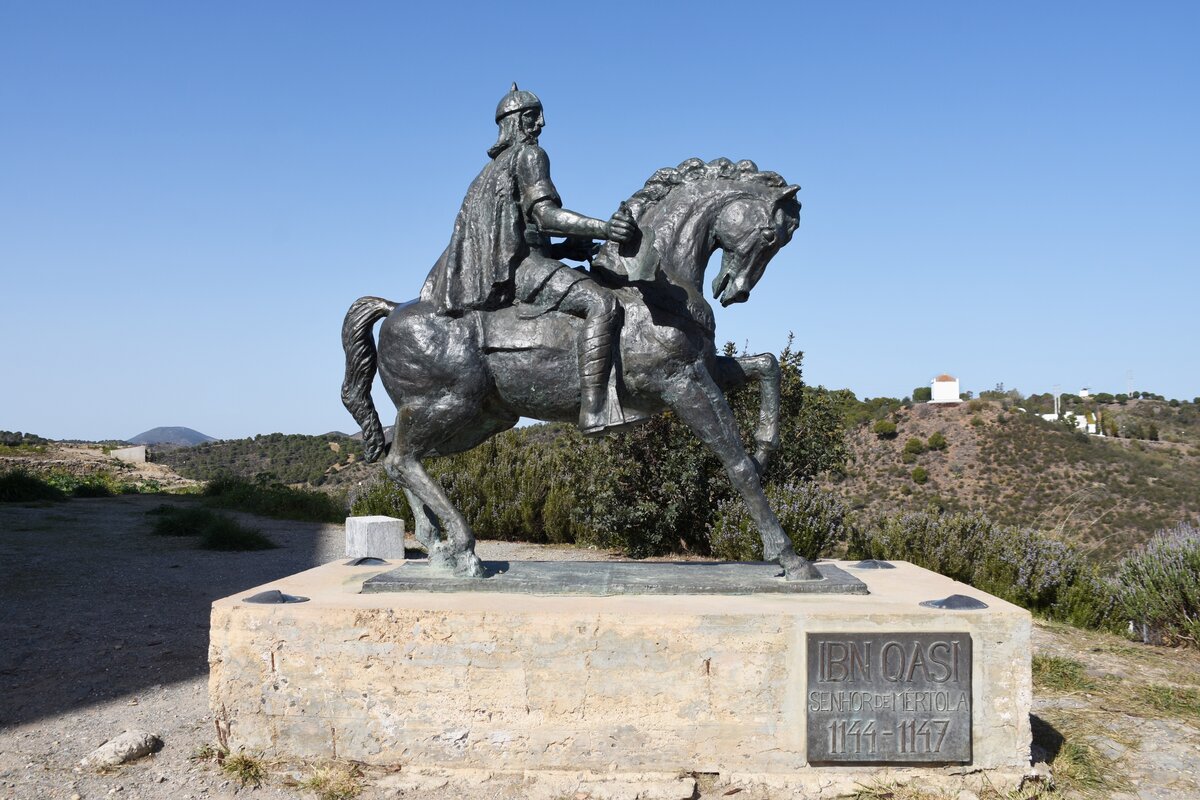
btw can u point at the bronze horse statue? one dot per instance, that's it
(456, 381)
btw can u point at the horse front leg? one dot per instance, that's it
(695, 398)
(764, 367)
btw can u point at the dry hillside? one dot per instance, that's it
(1105, 492)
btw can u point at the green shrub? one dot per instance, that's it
(180, 521)
(885, 429)
(216, 531)
(21, 486)
(977, 421)
(814, 520)
(937, 441)
(273, 500)
(1159, 587)
(382, 498)
(920, 475)
(1020, 565)
(922, 394)
(907, 458)
(914, 446)
(226, 533)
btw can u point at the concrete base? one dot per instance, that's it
(567, 685)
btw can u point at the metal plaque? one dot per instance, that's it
(877, 698)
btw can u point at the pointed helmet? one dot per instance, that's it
(516, 100)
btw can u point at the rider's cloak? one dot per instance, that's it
(476, 269)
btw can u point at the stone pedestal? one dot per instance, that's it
(374, 537)
(625, 684)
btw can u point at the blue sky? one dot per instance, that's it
(192, 194)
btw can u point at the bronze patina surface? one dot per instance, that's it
(607, 578)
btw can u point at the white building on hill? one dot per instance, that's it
(945, 390)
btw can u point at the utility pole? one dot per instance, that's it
(1057, 389)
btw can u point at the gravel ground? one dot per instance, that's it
(104, 627)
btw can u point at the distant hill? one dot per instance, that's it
(181, 437)
(1108, 494)
(287, 457)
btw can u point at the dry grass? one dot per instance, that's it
(1059, 674)
(246, 769)
(334, 781)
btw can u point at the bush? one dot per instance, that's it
(937, 441)
(176, 521)
(58, 485)
(225, 533)
(1020, 565)
(20, 486)
(885, 429)
(977, 421)
(922, 394)
(920, 475)
(914, 446)
(216, 531)
(814, 520)
(1159, 587)
(273, 500)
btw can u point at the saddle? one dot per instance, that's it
(508, 330)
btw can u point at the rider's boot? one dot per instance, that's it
(595, 364)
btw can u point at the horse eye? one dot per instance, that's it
(768, 235)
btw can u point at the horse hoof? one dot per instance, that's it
(800, 569)
(442, 559)
(469, 566)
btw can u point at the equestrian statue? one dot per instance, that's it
(503, 329)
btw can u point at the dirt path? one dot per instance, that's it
(104, 627)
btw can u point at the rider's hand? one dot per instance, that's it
(621, 227)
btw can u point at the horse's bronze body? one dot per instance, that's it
(456, 381)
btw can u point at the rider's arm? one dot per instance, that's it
(554, 220)
(544, 207)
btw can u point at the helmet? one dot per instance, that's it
(516, 100)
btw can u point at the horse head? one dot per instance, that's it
(749, 230)
(685, 213)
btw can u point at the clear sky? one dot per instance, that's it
(191, 194)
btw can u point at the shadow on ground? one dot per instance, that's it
(93, 606)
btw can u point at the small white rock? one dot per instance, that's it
(966, 794)
(129, 746)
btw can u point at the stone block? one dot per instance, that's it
(381, 537)
(628, 684)
(132, 455)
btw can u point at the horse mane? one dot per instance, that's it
(693, 170)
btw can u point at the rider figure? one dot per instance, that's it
(501, 253)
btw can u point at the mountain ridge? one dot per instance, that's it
(173, 435)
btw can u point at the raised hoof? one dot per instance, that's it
(796, 568)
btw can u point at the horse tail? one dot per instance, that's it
(359, 344)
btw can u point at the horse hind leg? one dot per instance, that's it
(425, 524)
(455, 551)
